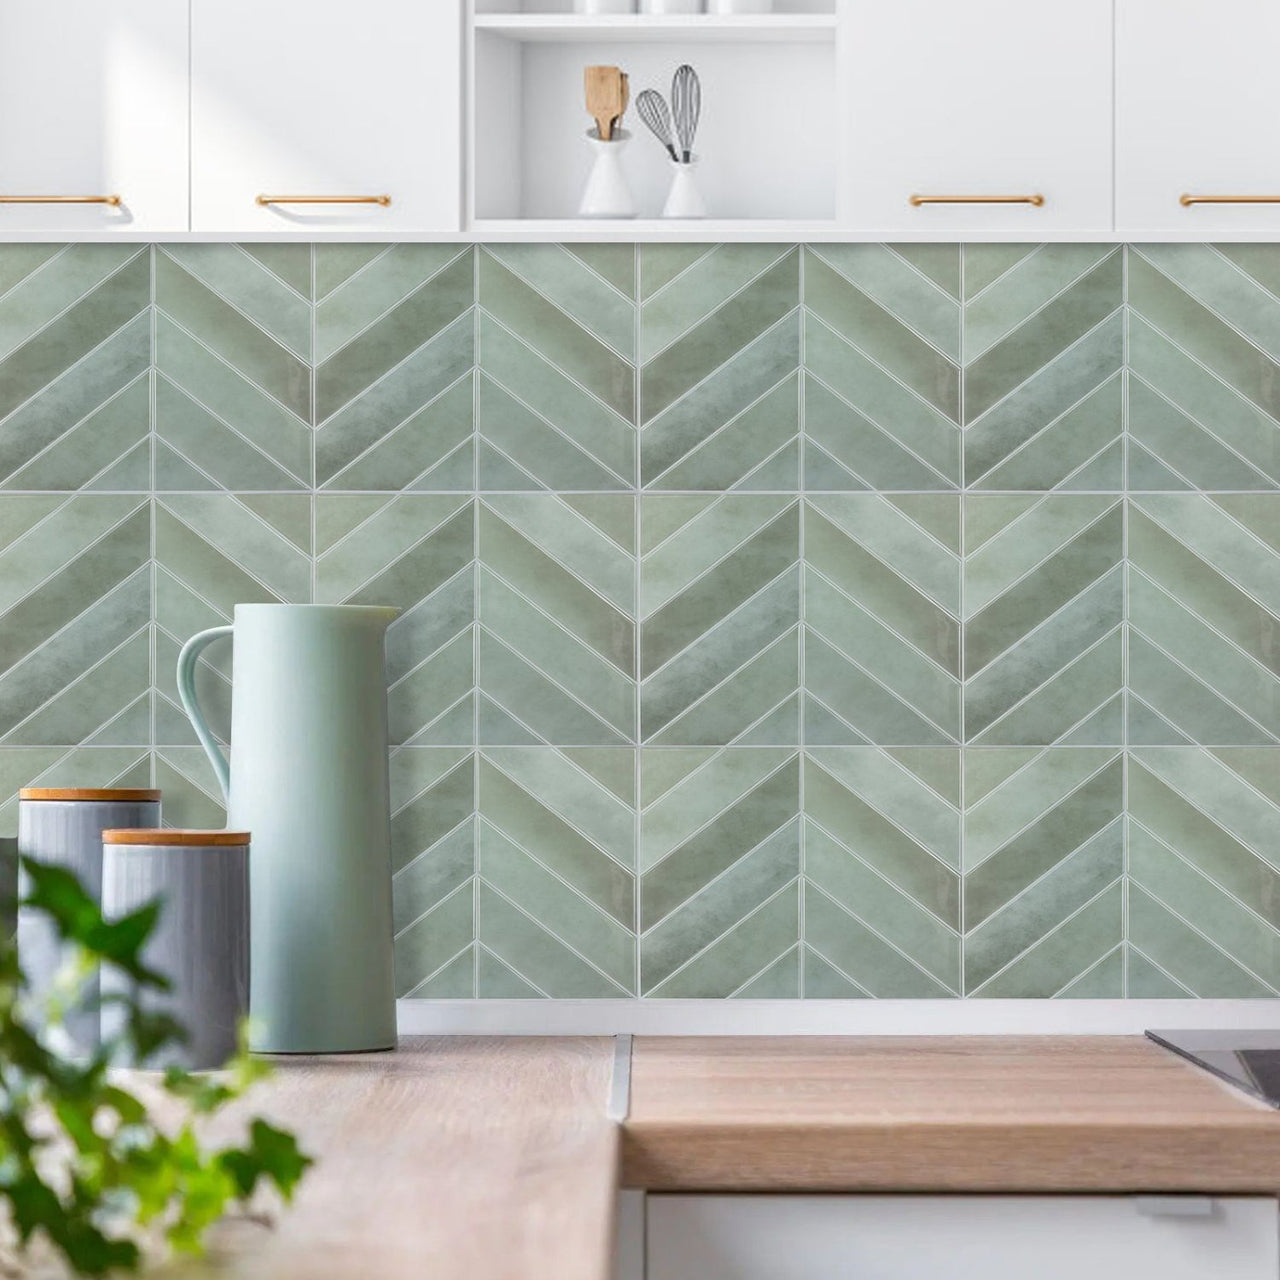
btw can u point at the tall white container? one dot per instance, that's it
(607, 193)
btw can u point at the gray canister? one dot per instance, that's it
(63, 826)
(8, 888)
(201, 943)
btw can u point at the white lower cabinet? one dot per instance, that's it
(802, 1237)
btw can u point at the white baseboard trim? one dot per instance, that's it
(829, 1017)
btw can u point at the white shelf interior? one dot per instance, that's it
(767, 141)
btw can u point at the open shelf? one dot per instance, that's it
(769, 154)
(794, 28)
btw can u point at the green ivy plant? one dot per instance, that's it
(84, 1164)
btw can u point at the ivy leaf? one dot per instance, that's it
(272, 1153)
(111, 1169)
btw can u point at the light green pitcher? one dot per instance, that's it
(308, 780)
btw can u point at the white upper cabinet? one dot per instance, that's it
(1197, 117)
(358, 104)
(1005, 103)
(93, 110)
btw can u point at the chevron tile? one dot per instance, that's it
(557, 888)
(881, 371)
(778, 621)
(720, 372)
(417, 553)
(882, 872)
(433, 861)
(1204, 897)
(881, 615)
(556, 395)
(75, 350)
(1044, 613)
(720, 614)
(720, 866)
(1043, 351)
(75, 614)
(192, 796)
(233, 372)
(1204, 356)
(556, 638)
(1043, 871)
(395, 350)
(1204, 618)
(212, 552)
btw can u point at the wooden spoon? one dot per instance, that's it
(607, 97)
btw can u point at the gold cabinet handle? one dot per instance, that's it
(380, 200)
(1187, 201)
(114, 201)
(916, 201)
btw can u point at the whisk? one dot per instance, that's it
(654, 111)
(686, 106)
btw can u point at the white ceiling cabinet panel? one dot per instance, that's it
(93, 117)
(1002, 104)
(325, 117)
(1197, 117)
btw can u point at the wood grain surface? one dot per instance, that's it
(454, 1159)
(494, 1158)
(976, 1114)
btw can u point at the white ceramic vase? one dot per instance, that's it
(684, 200)
(664, 7)
(607, 193)
(604, 6)
(723, 8)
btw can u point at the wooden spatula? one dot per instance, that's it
(607, 96)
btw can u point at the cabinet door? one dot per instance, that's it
(1197, 114)
(93, 104)
(979, 99)
(960, 1237)
(325, 99)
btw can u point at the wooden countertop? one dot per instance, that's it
(1017, 1114)
(497, 1159)
(454, 1159)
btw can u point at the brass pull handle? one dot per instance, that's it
(916, 201)
(114, 201)
(380, 200)
(1187, 201)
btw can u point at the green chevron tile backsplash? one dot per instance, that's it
(778, 621)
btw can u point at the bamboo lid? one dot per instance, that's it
(173, 836)
(122, 795)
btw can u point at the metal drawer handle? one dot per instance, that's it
(1187, 201)
(114, 201)
(380, 200)
(916, 201)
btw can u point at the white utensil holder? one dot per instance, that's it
(607, 193)
(684, 200)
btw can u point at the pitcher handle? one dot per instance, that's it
(191, 652)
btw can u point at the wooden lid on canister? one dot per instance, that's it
(173, 836)
(121, 795)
